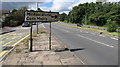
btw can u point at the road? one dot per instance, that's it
(92, 48)
(11, 39)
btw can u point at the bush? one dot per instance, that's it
(13, 23)
(111, 26)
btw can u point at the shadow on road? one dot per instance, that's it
(62, 50)
(72, 50)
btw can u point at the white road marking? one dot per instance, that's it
(86, 32)
(96, 41)
(80, 30)
(92, 33)
(114, 38)
(65, 30)
(102, 35)
(76, 30)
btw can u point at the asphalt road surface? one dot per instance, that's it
(10, 39)
(92, 48)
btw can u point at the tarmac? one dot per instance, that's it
(5, 30)
(41, 55)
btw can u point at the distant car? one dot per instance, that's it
(26, 24)
(80, 25)
(33, 23)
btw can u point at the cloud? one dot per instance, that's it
(113, 0)
(36, 0)
(17, 5)
(45, 8)
(26, 0)
(57, 5)
(60, 6)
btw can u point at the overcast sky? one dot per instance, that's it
(46, 5)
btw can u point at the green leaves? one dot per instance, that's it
(63, 17)
(111, 26)
(99, 14)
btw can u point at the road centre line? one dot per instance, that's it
(86, 32)
(102, 35)
(92, 33)
(96, 41)
(113, 38)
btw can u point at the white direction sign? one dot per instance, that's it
(41, 16)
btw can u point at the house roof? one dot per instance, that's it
(4, 11)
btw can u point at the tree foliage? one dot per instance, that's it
(16, 16)
(99, 13)
(63, 17)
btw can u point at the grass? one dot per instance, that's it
(18, 50)
(25, 42)
(116, 34)
(42, 30)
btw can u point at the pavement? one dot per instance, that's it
(41, 55)
(94, 48)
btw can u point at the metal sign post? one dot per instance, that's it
(37, 27)
(31, 37)
(50, 38)
(37, 16)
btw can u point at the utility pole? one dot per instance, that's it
(37, 22)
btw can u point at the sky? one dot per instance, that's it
(46, 5)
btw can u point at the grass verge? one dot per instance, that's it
(116, 34)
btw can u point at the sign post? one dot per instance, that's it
(36, 16)
(37, 27)
(31, 40)
(50, 38)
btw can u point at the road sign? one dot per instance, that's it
(32, 16)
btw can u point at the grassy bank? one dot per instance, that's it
(116, 34)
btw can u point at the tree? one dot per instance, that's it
(63, 17)
(101, 13)
(39, 10)
(16, 16)
(111, 26)
(14, 10)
